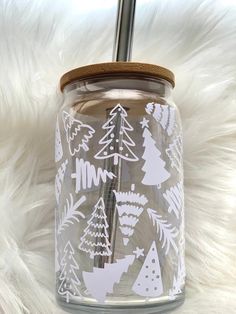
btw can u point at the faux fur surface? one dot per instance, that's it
(40, 40)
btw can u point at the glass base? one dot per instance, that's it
(163, 307)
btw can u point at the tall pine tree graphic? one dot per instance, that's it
(152, 158)
(95, 238)
(117, 143)
(68, 277)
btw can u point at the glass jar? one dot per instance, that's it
(119, 191)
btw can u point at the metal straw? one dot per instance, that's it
(122, 52)
(124, 30)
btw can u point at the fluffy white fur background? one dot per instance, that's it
(40, 40)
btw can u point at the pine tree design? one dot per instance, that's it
(120, 142)
(129, 207)
(179, 279)
(58, 145)
(175, 198)
(59, 179)
(151, 156)
(167, 233)
(78, 133)
(149, 280)
(163, 114)
(101, 281)
(95, 239)
(68, 277)
(175, 152)
(87, 175)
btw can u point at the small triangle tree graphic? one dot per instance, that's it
(117, 143)
(69, 280)
(95, 238)
(152, 158)
(149, 280)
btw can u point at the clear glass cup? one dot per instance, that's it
(119, 190)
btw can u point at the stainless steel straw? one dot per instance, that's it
(124, 30)
(121, 52)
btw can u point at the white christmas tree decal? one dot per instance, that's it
(77, 133)
(101, 281)
(59, 179)
(149, 280)
(152, 159)
(68, 277)
(167, 233)
(58, 145)
(179, 279)
(86, 175)
(129, 207)
(120, 140)
(175, 198)
(163, 114)
(95, 238)
(70, 213)
(175, 152)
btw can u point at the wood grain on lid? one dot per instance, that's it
(110, 68)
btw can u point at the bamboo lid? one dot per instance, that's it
(102, 69)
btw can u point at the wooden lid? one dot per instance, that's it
(110, 68)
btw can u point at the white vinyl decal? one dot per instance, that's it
(175, 198)
(175, 152)
(57, 265)
(95, 237)
(89, 180)
(179, 279)
(149, 280)
(70, 282)
(59, 179)
(70, 213)
(131, 197)
(152, 159)
(77, 133)
(58, 145)
(101, 281)
(163, 114)
(167, 233)
(117, 143)
(129, 207)
(86, 175)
